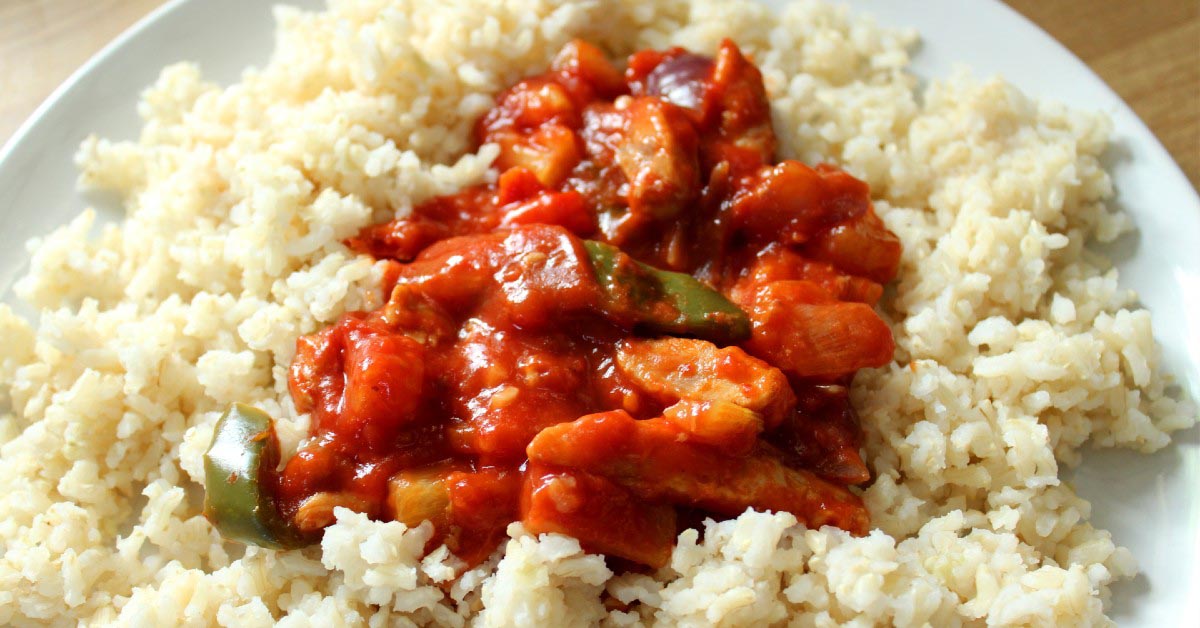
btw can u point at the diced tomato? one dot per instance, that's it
(470, 211)
(315, 378)
(566, 209)
(529, 104)
(516, 185)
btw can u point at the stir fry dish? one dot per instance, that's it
(646, 318)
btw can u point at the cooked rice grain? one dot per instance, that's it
(1015, 346)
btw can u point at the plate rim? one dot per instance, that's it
(73, 79)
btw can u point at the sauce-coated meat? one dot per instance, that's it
(536, 361)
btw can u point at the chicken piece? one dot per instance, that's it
(385, 377)
(656, 461)
(416, 316)
(654, 145)
(685, 368)
(605, 517)
(726, 426)
(503, 387)
(791, 203)
(739, 110)
(316, 512)
(862, 246)
(536, 272)
(805, 332)
(777, 262)
(658, 154)
(359, 378)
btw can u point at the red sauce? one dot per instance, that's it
(492, 388)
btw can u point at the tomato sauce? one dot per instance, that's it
(505, 381)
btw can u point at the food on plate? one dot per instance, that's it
(519, 371)
(312, 228)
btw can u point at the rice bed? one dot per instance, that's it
(1015, 345)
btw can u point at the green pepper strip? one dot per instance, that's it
(664, 301)
(236, 500)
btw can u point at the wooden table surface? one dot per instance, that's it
(1148, 51)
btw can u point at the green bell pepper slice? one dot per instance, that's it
(663, 301)
(236, 499)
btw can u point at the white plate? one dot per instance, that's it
(1150, 503)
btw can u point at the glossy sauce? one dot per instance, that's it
(493, 387)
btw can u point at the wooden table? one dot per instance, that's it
(1148, 51)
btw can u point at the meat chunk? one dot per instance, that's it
(416, 316)
(792, 203)
(536, 272)
(654, 145)
(798, 327)
(359, 379)
(726, 426)
(739, 110)
(684, 368)
(779, 263)
(506, 386)
(656, 461)
(605, 517)
(862, 245)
